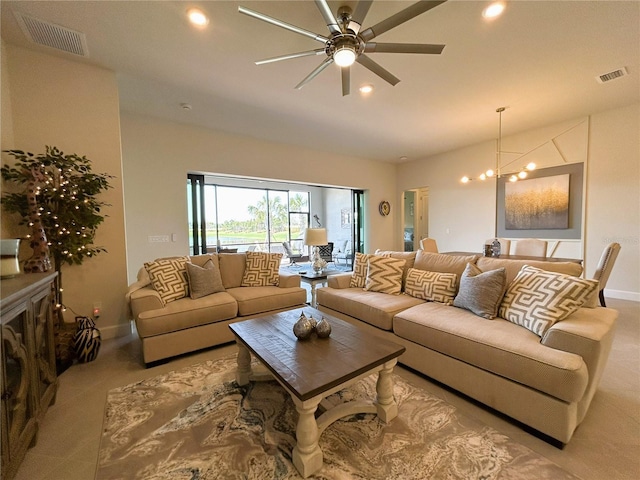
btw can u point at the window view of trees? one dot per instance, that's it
(254, 219)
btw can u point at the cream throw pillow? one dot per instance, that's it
(360, 266)
(169, 278)
(384, 275)
(536, 299)
(481, 292)
(431, 286)
(204, 280)
(261, 269)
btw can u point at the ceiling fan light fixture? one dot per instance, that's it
(344, 56)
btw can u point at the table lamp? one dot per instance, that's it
(314, 237)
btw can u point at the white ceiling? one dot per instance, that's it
(539, 59)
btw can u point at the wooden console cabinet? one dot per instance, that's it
(28, 380)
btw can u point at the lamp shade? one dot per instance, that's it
(315, 236)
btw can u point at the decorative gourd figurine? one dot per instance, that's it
(323, 328)
(302, 329)
(313, 321)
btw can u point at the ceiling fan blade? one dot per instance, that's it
(371, 47)
(289, 56)
(399, 18)
(329, 18)
(362, 8)
(346, 80)
(281, 24)
(327, 61)
(377, 69)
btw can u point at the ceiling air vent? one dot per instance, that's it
(52, 35)
(607, 77)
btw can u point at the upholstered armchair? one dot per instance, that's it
(343, 252)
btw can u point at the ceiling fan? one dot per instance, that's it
(347, 43)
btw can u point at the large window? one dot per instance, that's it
(241, 218)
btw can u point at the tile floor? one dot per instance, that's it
(605, 446)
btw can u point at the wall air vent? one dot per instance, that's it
(52, 35)
(607, 77)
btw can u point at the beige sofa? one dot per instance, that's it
(186, 324)
(544, 382)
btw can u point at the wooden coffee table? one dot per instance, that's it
(312, 369)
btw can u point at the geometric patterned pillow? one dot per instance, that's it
(431, 286)
(261, 269)
(536, 299)
(360, 266)
(384, 275)
(169, 277)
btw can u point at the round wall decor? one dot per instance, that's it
(385, 208)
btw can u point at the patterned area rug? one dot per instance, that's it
(197, 423)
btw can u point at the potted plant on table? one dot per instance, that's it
(58, 197)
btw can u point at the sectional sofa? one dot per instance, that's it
(183, 304)
(534, 368)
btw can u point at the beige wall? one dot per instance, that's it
(158, 155)
(57, 102)
(462, 217)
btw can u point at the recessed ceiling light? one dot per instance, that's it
(493, 10)
(368, 88)
(197, 17)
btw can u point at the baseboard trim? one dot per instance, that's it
(622, 295)
(115, 331)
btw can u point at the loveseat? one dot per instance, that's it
(183, 304)
(536, 369)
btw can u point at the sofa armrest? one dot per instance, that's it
(144, 299)
(288, 280)
(589, 333)
(341, 280)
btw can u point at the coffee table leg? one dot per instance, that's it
(307, 455)
(243, 371)
(385, 402)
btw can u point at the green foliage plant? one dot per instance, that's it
(70, 211)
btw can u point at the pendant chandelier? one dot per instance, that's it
(498, 171)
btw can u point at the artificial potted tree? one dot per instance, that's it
(68, 210)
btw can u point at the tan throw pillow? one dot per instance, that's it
(384, 275)
(204, 280)
(169, 278)
(536, 299)
(360, 266)
(431, 286)
(261, 269)
(481, 292)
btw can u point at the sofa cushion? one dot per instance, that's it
(169, 277)
(232, 268)
(536, 299)
(440, 262)
(431, 286)
(253, 300)
(499, 346)
(204, 280)
(186, 313)
(374, 308)
(360, 268)
(384, 275)
(261, 269)
(512, 267)
(481, 292)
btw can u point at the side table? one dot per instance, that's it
(314, 279)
